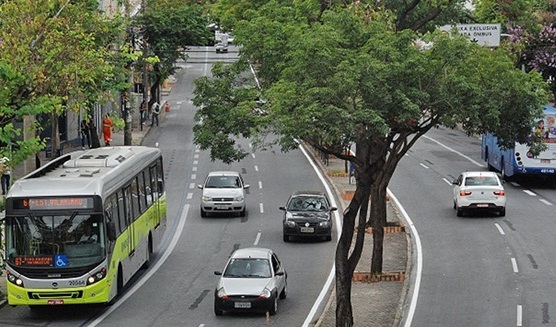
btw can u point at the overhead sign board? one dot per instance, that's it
(483, 34)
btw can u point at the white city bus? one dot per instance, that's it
(78, 228)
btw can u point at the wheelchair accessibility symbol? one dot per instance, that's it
(60, 260)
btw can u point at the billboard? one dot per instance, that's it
(483, 34)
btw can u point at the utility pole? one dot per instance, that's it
(126, 97)
(145, 79)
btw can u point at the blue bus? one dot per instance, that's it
(519, 161)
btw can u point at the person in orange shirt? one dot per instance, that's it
(107, 129)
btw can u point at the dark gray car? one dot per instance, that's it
(308, 214)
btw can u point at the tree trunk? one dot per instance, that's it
(55, 137)
(378, 222)
(345, 263)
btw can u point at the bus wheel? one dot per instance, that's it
(503, 172)
(147, 263)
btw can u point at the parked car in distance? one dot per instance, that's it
(307, 214)
(253, 280)
(479, 191)
(223, 192)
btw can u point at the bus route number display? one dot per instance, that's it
(54, 203)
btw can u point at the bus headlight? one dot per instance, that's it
(14, 280)
(96, 276)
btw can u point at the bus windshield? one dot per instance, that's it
(61, 240)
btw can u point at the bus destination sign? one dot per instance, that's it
(43, 261)
(54, 203)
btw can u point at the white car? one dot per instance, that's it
(479, 191)
(253, 280)
(223, 192)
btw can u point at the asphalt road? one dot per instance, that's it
(477, 270)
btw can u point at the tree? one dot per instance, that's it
(65, 49)
(354, 78)
(168, 28)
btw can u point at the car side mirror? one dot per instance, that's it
(246, 186)
(282, 208)
(333, 209)
(218, 273)
(455, 182)
(200, 186)
(280, 273)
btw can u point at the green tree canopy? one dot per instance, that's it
(355, 79)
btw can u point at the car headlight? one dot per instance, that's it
(206, 198)
(325, 223)
(289, 223)
(238, 198)
(222, 293)
(14, 280)
(265, 294)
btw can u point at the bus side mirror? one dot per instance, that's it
(111, 231)
(160, 186)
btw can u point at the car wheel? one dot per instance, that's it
(454, 204)
(203, 213)
(217, 310)
(284, 292)
(286, 238)
(242, 213)
(274, 306)
(459, 212)
(502, 212)
(328, 238)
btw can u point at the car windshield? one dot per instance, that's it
(223, 182)
(248, 268)
(308, 203)
(481, 181)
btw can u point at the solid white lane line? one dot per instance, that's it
(422, 165)
(261, 207)
(499, 228)
(529, 192)
(545, 202)
(514, 265)
(452, 150)
(135, 286)
(519, 315)
(447, 181)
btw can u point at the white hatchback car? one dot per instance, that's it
(223, 192)
(253, 280)
(479, 190)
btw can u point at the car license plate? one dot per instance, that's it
(221, 207)
(55, 302)
(545, 160)
(482, 205)
(242, 305)
(307, 229)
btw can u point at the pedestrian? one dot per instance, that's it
(85, 133)
(143, 112)
(155, 112)
(6, 175)
(107, 129)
